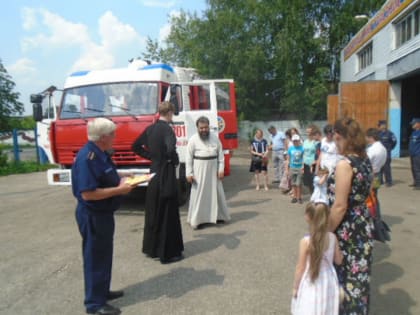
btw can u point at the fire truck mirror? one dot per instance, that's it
(37, 111)
(36, 98)
(175, 97)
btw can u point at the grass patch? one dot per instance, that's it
(24, 167)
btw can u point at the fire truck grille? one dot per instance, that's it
(67, 157)
(124, 156)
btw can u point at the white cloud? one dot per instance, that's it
(164, 32)
(55, 31)
(115, 37)
(29, 18)
(113, 32)
(52, 32)
(159, 3)
(94, 57)
(22, 69)
(166, 29)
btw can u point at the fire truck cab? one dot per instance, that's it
(130, 97)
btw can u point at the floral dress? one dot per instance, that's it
(355, 239)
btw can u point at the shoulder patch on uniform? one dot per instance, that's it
(91, 155)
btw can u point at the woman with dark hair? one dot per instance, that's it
(348, 188)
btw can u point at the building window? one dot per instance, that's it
(365, 56)
(408, 28)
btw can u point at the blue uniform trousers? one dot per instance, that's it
(415, 169)
(97, 231)
(386, 170)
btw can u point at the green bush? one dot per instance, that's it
(3, 156)
(23, 167)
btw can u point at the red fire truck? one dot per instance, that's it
(129, 97)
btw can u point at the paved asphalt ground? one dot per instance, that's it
(244, 267)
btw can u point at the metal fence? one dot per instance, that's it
(20, 145)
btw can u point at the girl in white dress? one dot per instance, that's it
(316, 290)
(320, 186)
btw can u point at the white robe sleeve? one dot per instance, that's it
(189, 158)
(220, 157)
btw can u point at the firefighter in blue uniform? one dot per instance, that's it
(414, 149)
(98, 189)
(389, 141)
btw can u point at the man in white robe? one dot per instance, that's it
(205, 170)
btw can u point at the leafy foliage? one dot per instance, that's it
(9, 103)
(22, 123)
(283, 55)
(3, 156)
(23, 167)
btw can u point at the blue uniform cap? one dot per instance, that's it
(381, 122)
(415, 120)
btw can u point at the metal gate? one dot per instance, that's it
(367, 102)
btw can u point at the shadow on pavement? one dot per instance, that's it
(172, 284)
(208, 242)
(393, 301)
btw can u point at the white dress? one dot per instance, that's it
(207, 200)
(322, 296)
(330, 156)
(320, 191)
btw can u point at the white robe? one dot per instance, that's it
(207, 200)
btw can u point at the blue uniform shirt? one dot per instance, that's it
(93, 169)
(388, 139)
(414, 143)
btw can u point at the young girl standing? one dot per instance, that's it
(316, 289)
(320, 186)
(259, 161)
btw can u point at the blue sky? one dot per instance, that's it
(43, 41)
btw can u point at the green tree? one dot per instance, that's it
(284, 55)
(9, 100)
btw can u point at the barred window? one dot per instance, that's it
(408, 28)
(365, 56)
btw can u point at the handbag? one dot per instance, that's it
(381, 230)
(256, 159)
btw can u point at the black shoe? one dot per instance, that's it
(106, 310)
(294, 200)
(172, 260)
(275, 182)
(300, 200)
(112, 295)
(220, 221)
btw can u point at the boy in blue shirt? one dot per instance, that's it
(295, 157)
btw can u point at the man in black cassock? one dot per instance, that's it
(162, 227)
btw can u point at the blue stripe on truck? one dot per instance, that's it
(79, 73)
(158, 66)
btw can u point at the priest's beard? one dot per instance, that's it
(204, 135)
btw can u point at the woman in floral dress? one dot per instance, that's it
(348, 188)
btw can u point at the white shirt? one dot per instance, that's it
(377, 155)
(329, 155)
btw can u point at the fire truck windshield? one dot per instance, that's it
(111, 99)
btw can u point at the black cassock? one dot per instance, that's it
(162, 227)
